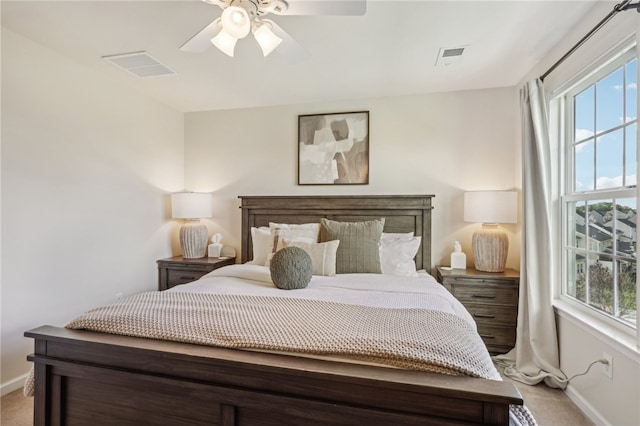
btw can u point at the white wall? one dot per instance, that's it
(440, 144)
(86, 165)
(607, 401)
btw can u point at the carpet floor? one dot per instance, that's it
(551, 406)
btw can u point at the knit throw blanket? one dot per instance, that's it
(407, 338)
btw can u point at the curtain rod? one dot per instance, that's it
(621, 7)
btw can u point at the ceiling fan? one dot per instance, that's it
(239, 17)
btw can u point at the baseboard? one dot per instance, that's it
(13, 385)
(586, 408)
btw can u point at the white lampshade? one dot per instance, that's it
(491, 206)
(225, 42)
(267, 40)
(490, 244)
(191, 205)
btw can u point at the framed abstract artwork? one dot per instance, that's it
(333, 148)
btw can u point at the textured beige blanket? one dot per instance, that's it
(415, 339)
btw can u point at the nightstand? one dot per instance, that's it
(178, 270)
(491, 298)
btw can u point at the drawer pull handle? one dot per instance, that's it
(186, 277)
(487, 336)
(484, 316)
(484, 296)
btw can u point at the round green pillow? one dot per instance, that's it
(291, 268)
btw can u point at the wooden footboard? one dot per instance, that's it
(93, 378)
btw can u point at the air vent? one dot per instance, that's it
(140, 64)
(450, 55)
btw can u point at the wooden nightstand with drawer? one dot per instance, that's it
(491, 298)
(178, 270)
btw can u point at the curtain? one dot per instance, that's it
(535, 355)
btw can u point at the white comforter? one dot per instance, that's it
(376, 290)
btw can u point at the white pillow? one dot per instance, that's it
(260, 240)
(323, 255)
(306, 232)
(397, 255)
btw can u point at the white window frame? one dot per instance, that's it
(567, 180)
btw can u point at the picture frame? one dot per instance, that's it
(333, 148)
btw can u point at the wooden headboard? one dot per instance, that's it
(402, 213)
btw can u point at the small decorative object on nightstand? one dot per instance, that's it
(215, 248)
(492, 300)
(458, 258)
(178, 270)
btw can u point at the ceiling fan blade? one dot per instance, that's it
(202, 41)
(325, 7)
(289, 48)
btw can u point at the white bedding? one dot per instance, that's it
(376, 290)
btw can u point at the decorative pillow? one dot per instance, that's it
(291, 268)
(397, 255)
(323, 255)
(358, 251)
(260, 240)
(307, 232)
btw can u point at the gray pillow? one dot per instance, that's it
(358, 251)
(291, 268)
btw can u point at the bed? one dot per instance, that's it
(88, 377)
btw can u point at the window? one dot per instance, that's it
(599, 203)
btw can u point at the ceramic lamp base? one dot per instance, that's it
(193, 239)
(490, 248)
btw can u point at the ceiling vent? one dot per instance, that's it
(140, 64)
(450, 55)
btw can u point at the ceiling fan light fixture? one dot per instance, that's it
(225, 41)
(235, 20)
(239, 17)
(267, 40)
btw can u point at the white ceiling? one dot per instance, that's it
(389, 51)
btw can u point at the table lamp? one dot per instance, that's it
(192, 206)
(490, 244)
